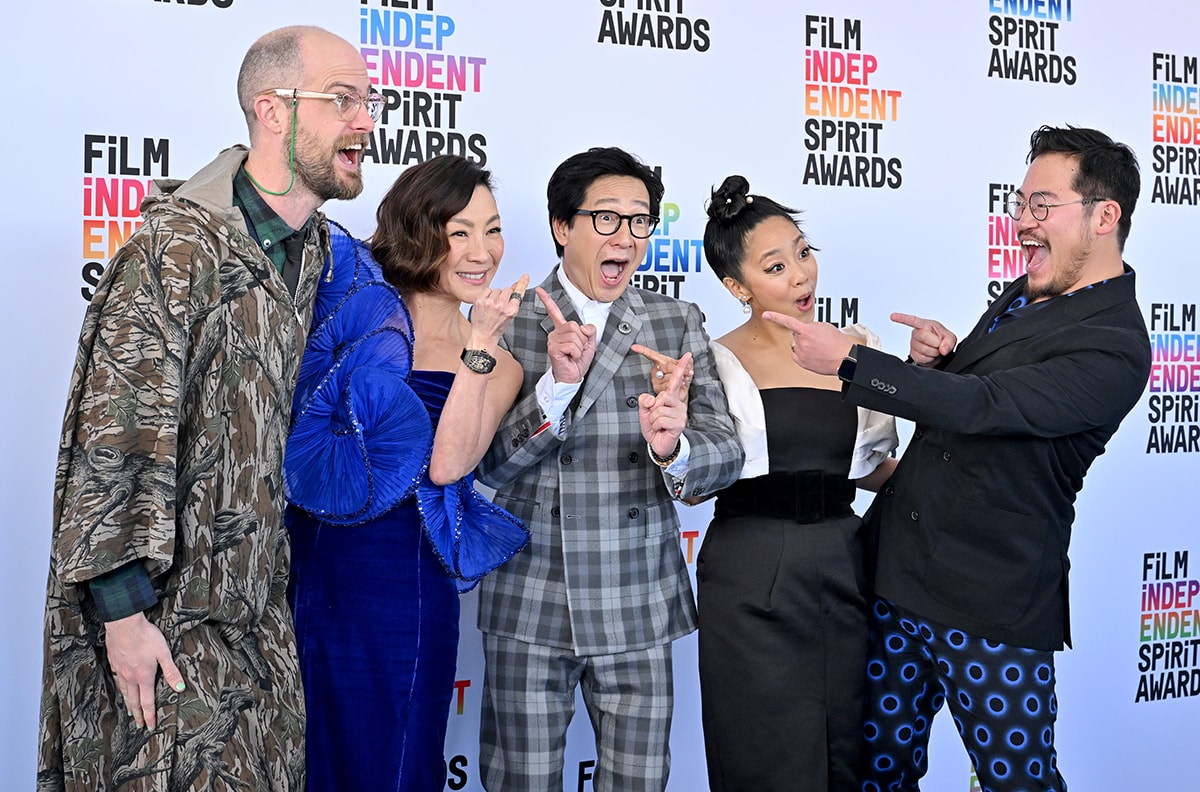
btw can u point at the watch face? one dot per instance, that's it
(478, 361)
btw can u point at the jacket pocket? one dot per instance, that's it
(986, 561)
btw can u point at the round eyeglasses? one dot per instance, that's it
(347, 104)
(1039, 207)
(606, 223)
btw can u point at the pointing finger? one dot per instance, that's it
(556, 315)
(677, 375)
(657, 358)
(790, 322)
(915, 322)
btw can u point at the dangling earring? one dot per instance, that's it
(745, 305)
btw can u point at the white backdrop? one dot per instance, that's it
(897, 127)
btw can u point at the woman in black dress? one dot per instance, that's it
(782, 594)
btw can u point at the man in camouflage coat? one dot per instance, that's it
(169, 552)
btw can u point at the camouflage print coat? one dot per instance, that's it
(170, 457)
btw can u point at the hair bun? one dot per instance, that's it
(730, 199)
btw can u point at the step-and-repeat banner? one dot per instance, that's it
(897, 128)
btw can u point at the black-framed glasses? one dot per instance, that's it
(606, 223)
(347, 104)
(1039, 207)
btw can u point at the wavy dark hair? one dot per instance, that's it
(1107, 169)
(410, 241)
(732, 214)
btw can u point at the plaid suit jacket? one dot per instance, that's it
(603, 572)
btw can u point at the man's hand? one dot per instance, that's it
(664, 367)
(663, 416)
(571, 345)
(930, 340)
(816, 346)
(136, 650)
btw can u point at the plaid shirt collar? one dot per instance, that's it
(268, 229)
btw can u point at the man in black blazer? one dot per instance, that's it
(975, 523)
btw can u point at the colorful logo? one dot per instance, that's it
(846, 108)
(411, 63)
(1174, 379)
(1169, 629)
(1175, 129)
(117, 173)
(1024, 35)
(1005, 258)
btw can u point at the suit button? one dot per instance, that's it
(633, 456)
(634, 512)
(565, 459)
(914, 516)
(555, 512)
(919, 434)
(946, 455)
(889, 490)
(631, 401)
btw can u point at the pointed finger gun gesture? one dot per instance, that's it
(663, 368)
(571, 346)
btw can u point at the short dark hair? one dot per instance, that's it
(570, 182)
(1106, 168)
(410, 241)
(732, 214)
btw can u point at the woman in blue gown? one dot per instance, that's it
(398, 397)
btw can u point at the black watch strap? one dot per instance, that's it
(849, 365)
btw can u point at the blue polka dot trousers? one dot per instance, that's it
(1002, 699)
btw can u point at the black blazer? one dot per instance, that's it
(973, 527)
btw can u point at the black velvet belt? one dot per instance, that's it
(808, 496)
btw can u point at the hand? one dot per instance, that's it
(663, 416)
(664, 367)
(930, 340)
(817, 346)
(571, 345)
(136, 650)
(493, 312)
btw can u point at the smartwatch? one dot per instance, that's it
(846, 371)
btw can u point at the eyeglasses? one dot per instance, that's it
(1039, 207)
(347, 103)
(606, 223)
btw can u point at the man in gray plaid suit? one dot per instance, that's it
(592, 463)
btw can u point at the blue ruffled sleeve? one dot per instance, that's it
(361, 436)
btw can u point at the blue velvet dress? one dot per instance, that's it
(379, 553)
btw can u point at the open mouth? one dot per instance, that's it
(1035, 253)
(611, 271)
(806, 303)
(474, 278)
(350, 156)
(349, 153)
